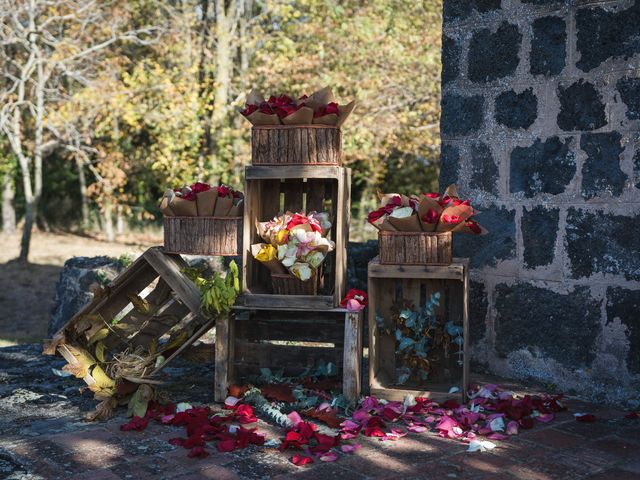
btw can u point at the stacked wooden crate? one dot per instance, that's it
(297, 169)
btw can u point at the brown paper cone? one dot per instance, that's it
(462, 211)
(184, 208)
(322, 96)
(464, 227)
(383, 224)
(259, 118)
(223, 205)
(303, 116)
(206, 202)
(424, 206)
(451, 191)
(407, 224)
(385, 199)
(254, 97)
(273, 265)
(165, 208)
(331, 119)
(236, 210)
(345, 111)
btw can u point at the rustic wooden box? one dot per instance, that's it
(296, 145)
(219, 236)
(287, 284)
(290, 339)
(390, 284)
(174, 307)
(273, 190)
(414, 248)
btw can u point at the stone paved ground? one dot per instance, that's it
(42, 435)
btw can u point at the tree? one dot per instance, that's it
(47, 49)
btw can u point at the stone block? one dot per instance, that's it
(624, 304)
(449, 165)
(581, 107)
(601, 170)
(499, 244)
(604, 34)
(451, 50)
(484, 171)
(636, 167)
(458, 10)
(478, 305)
(539, 227)
(548, 47)
(494, 55)
(562, 326)
(629, 89)
(544, 167)
(516, 110)
(544, 2)
(598, 242)
(461, 115)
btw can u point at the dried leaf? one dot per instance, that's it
(328, 416)
(79, 360)
(104, 410)
(140, 304)
(100, 352)
(139, 401)
(280, 392)
(101, 378)
(99, 335)
(236, 390)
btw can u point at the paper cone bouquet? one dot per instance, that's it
(202, 200)
(428, 212)
(318, 108)
(295, 243)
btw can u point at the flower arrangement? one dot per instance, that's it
(355, 300)
(202, 200)
(295, 243)
(429, 212)
(318, 108)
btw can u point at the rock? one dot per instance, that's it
(601, 170)
(624, 304)
(451, 50)
(544, 167)
(636, 168)
(73, 290)
(598, 242)
(539, 228)
(449, 164)
(494, 55)
(358, 256)
(629, 89)
(499, 244)
(548, 47)
(457, 9)
(478, 305)
(563, 326)
(603, 34)
(461, 115)
(581, 107)
(516, 110)
(484, 171)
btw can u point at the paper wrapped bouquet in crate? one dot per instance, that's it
(303, 131)
(201, 219)
(417, 229)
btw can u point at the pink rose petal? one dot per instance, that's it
(350, 448)
(329, 457)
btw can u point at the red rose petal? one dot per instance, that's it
(301, 460)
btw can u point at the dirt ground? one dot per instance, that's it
(27, 290)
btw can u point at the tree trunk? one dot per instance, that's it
(108, 221)
(82, 181)
(204, 86)
(223, 64)
(119, 220)
(8, 211)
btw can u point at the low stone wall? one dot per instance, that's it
(540, 128)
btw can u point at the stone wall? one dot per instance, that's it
(540, 128)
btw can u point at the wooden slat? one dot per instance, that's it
(255, 172)
(316, 328)
(315, 195)
(169, 267)
(252, 190)
(352, 356)
(301, 302)
(225, 355)
(453, 271)
(293, 195)
(276, 356)
(161, 322)
(218, 236)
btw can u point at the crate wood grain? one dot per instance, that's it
(390, 284)
(414, 248)
(292, 340)
(296, 145)
(273, 190)
(173, 301)
(216, 236)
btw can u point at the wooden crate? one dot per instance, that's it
(289, 339)
(296, 145)
(414, 248)
(219, 236)
(389, 284)
(174, 307)
(273, 190)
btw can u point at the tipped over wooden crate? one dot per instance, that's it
(152, 300)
